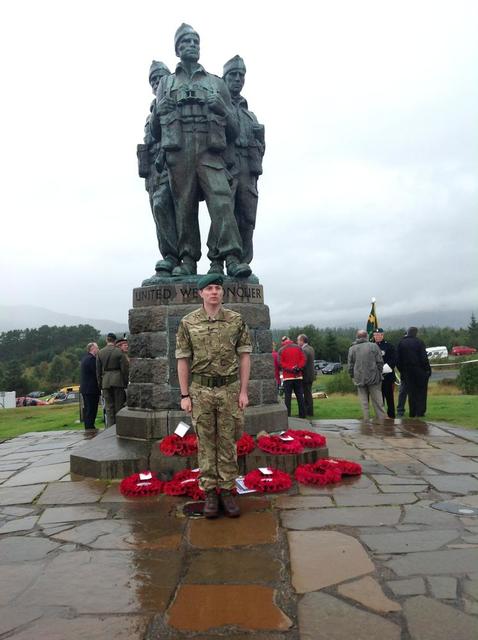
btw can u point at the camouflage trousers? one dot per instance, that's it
(218, 423)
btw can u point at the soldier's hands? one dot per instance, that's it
(243, 400)
(186, 405)
(216, 104)
(165, 105)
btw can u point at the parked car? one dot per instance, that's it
(332, 367)
(435, 353)
(462, 351)
(320, 364)
(35, 394)
(60, 397)
(26, 401)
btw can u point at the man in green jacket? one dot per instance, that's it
(112, 371)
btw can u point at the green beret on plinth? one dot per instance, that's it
(210, 278)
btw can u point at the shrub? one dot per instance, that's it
(340, 383)
(467, 379)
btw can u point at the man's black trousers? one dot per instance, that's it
(90, 409)
(294, 385)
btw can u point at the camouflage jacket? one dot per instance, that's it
(213, 344)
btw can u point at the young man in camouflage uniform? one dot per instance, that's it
(214, 346)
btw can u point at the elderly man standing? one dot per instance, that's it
(194, 119)
(365, 364)
(89, 388)
(414, 367)
(214, 346)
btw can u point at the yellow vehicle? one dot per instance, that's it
(70, 393)
(70, 387)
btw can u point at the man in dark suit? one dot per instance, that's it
(112, 372)
(308, 373)
(89, 388)
(412, 362)
(389, 358)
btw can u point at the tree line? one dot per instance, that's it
(49, 357)
(43, 359)
(332, 344)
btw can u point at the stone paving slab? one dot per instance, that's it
(20, 495)
(408, 541)
(36, 475)
(368, 592)
(410, 587)
(301, 519)
(250, 529)
(245, 606)
(428, 619)
(323, 558)
(86, 628)
(448, 561)
(239, 566)
(363, 500)
(73, 493)
(83, 580)
(72, 514)
(64, 541)
(324, 617)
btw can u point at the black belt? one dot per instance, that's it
(213, 381)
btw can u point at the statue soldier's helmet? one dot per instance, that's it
(158, 68)
(234, 64)
(183, 30)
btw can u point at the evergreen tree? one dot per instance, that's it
(14, 379)
(473, 332)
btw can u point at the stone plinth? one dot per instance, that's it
(153, 396)
(153, 409)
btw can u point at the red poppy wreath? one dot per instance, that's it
(184, 483)
(321, 472)
(245, 445)
(174, 445)
(277, 446)
(145, 483)
(268, 483)
(306, 438)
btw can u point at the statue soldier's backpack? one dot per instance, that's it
(142, 151)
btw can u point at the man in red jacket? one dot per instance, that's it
(292, 362)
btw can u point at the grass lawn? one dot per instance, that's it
(14, 422)
(456, 409)
(447, 407)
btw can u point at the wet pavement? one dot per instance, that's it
(391, 554)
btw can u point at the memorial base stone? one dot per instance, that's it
(153, 395)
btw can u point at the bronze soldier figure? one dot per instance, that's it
(214, 346)
(247, 153)
(151, 167)
(194, 119)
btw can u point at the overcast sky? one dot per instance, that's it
(370, 184)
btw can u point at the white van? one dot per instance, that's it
(435, 353)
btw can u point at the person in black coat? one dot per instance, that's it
(89, 388)
(414, 367)
(388, 382)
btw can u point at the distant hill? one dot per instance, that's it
(30, 317)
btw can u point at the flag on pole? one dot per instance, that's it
(372, 322)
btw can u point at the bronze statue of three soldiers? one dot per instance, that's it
(201, 143)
